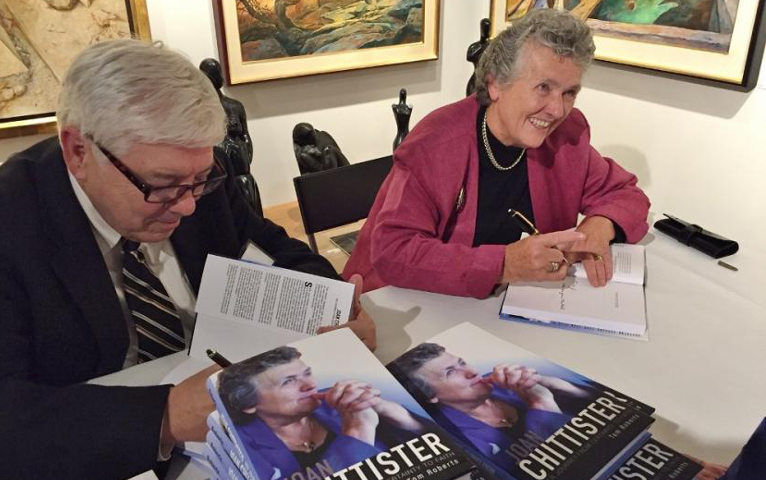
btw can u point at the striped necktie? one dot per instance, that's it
(157, 323)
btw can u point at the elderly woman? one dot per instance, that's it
(441, 219)
(288, 426)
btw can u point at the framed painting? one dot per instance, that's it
(717, 42)
(269, 39)
(38, 41)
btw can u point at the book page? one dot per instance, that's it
(628, 262)
(616, 307)
(271, 297)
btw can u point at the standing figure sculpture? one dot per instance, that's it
(316, 150)
(236, 150)
(402, 113)
(475, 50)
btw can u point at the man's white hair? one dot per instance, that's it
(123, 92)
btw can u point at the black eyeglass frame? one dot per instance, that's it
(148, 189)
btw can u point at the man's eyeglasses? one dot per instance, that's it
(169, 193)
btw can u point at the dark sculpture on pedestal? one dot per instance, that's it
(316, 150)
(236, 150)
(475, 50)
(402, 113)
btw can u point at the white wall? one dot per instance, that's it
(696, 149)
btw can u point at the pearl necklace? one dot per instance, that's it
(489, 149)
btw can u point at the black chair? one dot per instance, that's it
(339, 196)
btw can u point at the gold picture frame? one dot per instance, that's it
(30, 34)
(283, 41)
(729, 58)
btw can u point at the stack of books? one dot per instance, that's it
(465, 404)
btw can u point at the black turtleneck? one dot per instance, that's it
(500, 190)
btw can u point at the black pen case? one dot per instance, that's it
(696, 237)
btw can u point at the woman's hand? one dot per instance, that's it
(355, 402)
(594, 250)
(397, 415)
(524, 382)
(539, 257)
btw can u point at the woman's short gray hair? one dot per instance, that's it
(123, 92)
(559, 30)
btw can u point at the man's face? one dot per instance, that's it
(286, 391)
(122, 204)
(541, 95)
(453, 381)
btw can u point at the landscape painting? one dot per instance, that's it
(269, 39)
(39, 39)
(705, 24)
(710, 39)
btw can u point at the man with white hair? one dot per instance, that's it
(129, 188)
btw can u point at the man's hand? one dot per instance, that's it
(355, 402)
(710, 471)
(532, 258)
(360, 323)
(594, 250)
(186, 413)
(524, 382)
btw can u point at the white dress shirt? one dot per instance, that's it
(161, 260)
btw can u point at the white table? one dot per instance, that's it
(702, 368)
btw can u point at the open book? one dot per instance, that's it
(617, 308)
(236, 295)
(464, 403)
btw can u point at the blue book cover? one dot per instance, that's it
(227, 469)
(527, 416)
(325, 408)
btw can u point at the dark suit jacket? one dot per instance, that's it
(61, 322)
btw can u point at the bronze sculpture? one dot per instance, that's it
(236, 149)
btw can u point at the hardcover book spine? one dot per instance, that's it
(238, 450)
(215, 463)
(215, 426)
(229, 470)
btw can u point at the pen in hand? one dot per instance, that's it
(523, 222)
(217, 358)
(526, 225)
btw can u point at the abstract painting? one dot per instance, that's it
(38, 41)
(715, 40)
(269, 39)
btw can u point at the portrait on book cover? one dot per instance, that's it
(502, 402)
(310, 411)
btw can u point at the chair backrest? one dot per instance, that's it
(338, 196)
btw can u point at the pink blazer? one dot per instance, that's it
(417, 237)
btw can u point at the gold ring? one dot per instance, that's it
(554, 267)
(597, 257)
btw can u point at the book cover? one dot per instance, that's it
(617, 308)
(526, 415)
(222, 433)
(656, 461)
(325, 408)
(227, 470)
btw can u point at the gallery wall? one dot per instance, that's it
(698, 150)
